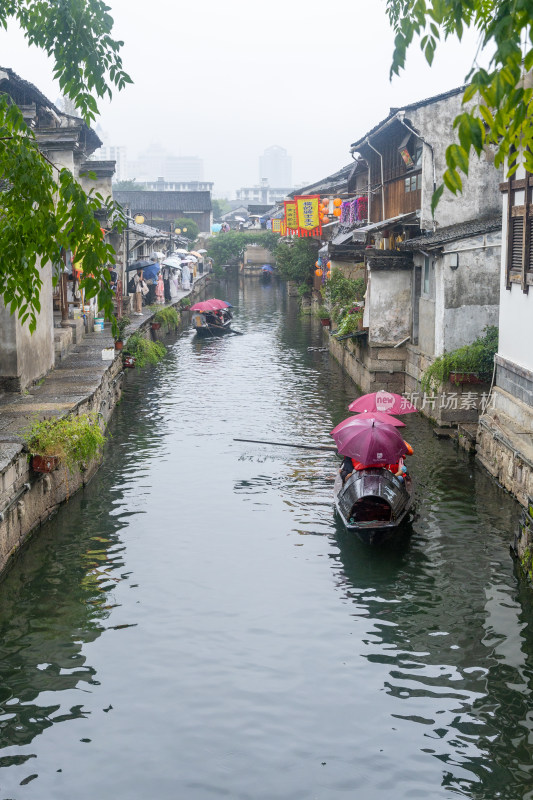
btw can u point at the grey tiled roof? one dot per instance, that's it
(409, 107)
(164, 201)
(328, 185)
(260, 209)
(451, 233)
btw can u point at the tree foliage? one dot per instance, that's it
(192, 228)
(130, 185)
(498, 102)
(77, 36)
(296, 260)
(45, 210)
(228, 248)
(220, 206)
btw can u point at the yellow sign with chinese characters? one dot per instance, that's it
(291, 216)
(308, 213)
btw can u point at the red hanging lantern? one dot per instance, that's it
(328, 265)
(336, 212)
(337, 202)
(318, 272)
(328, 274)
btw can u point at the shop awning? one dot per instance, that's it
(385, 223)
(342, 238)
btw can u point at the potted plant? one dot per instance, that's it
(121, 325)
(166, 316)
(143, 351)
(323, 315)
(351, 322)
(472, 363)
(71, 441)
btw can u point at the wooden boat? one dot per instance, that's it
(206, 324)
(373, 503)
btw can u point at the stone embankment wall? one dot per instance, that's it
(28, 499)
(371, 368)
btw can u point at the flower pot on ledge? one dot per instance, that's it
(44, 463)
(464, 377)
(156, 326)
(325, 322)
(119, 344)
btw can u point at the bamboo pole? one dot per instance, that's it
(329, 447)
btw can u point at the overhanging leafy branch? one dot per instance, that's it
(498, 102)
(45, 211)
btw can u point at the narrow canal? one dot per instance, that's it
(197, 625)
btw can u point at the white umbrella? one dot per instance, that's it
(191, 259)
(181, 251)
(240, 219)
(202, 251)
(172, 261)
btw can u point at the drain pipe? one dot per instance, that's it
(367, 141)
(368, 191)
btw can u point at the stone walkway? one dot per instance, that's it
(74, 379)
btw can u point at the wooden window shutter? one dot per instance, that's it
(530, 223)
(519, 267)
(517, 244)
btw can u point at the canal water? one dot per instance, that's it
(196, 624)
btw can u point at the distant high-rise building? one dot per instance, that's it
(275, 166)
(184, 168)
(156, 162)
(116, 154)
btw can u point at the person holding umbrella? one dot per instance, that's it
(370, 443)
(139, 288)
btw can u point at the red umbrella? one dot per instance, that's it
(210, 305)
(371, 442)
(387, 402)
(377, 415)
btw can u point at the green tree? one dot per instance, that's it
(227, 248)
(128, 186)
(500, 101)
(220, 206)
(296, 260)
(188, 227)
(44, 210)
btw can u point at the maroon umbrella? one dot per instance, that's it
(371, 442)
(377, 415)
(210, 305)
(387, 402)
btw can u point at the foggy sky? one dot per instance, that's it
(223, 81)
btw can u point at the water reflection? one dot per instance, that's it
(204, 625)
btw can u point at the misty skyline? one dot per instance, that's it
(225, 82)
